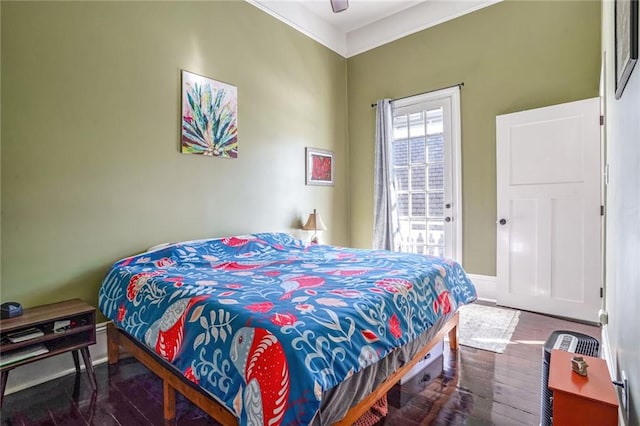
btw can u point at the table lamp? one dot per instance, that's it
(315, 224)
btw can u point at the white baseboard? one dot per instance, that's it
(605, 346)
(606, 351)
(38, 372)
(485, 285)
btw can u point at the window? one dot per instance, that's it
(425, 174)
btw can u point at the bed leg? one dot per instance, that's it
(113, 345)
(169, 403)
(453, 338)
(453, 334)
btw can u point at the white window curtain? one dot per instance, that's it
(385, 219)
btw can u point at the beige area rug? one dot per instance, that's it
(486, 327)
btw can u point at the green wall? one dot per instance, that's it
(90, 163)
(511, 56)
(91, 169)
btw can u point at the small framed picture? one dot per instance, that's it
(626, 41)
(319, 167)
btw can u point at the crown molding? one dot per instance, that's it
(385, 30)
(301, 19)
(409, 21)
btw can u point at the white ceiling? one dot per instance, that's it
(366, 24)
(359, 13)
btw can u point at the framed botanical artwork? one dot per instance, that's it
(209, 117)
(319, 167)
(626, 41)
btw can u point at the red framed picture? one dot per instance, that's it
(319, 167)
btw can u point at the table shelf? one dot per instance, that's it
(78, 337)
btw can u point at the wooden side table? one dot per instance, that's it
(77, 336)
(582, 400)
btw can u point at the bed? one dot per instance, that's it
(264, 329)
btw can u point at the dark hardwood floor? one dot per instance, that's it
(470, 386)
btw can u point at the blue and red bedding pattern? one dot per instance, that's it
(266, 324)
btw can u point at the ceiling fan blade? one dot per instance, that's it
(339, 5)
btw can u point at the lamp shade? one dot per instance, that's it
(314, 223)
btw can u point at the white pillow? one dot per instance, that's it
(158, 247)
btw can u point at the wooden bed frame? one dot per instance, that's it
(172, 381)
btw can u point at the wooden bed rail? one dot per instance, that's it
(173, 382)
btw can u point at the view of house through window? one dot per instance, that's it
(423, 177)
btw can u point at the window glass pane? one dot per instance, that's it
(416, 124)
(419, 226)
(435, 149)
(400, 153)
(400, 129)
(404, 235)
(418, 207)
(403, 205)
(434, 121)
(418, 167)
(418, 150)
(435, 251)
(435, 232)
(402, 179)
(436, 204)
(418, 234)
(436, 176)
(418, 178)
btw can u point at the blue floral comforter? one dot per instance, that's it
(266, 324)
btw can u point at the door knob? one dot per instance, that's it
(447, 219)
(503, 221)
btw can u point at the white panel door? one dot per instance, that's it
(548, 193)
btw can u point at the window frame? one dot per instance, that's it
(450, 98)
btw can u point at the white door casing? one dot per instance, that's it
(549, 224)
